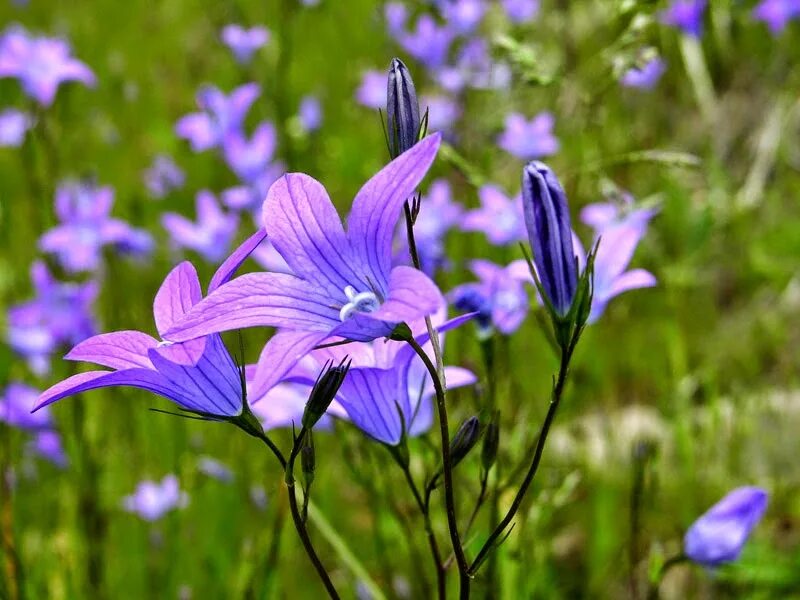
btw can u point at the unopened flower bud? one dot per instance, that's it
(402, 109)
(323, 392)
(550, 234)
(491, 442)
(308, 459)
(464, 440)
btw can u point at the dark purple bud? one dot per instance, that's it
(550, 234)
(323, 392)
(308, 459)
(464, 440)
(402, 109)
(718, 535)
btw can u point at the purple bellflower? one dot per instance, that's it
(310, 114)
(199, 376)
(529, 139)
(719, 535)
(342, 283)
(220, 115)
(15, 410)
(499, 297)
(500, 218)
(550, 235)
(211, 467)
(521, 11)
(777, 13)
(463, 16)
(152, 500)
(475, 68)
(14, 124)
(211, 235)
(372, 91)
(443, 112)
(402, 109)
(60, 314)
(40, 64)
(86, 228)
(396, 15)
(686, 15)
(163, 176)
(250, 158)
(429, 43)
(244, 42)
(284, 404)
(646, 77)
(47, 444)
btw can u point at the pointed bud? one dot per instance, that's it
(402, 109)
(491, 442)
(464, 440)
(324, 391)
(308, 459)
(550, 234)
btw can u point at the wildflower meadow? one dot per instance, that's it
(400, 299)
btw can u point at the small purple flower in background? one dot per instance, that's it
(244, 42)
(645, 77)
(283, 406)
(463, 16)
(14, 124)
(529, 139)
(443, 112)
(15, 408)
(60, 314)
(249, 158)
(40, 64)
(475, 68)
(310, 114)
(686, 15)
(47, 444)
(719, 535)
(521, 11)
(199, 376)
(220, 115)
(86, 228)
(152, 500)
(342, 284)
(396, 15)
(163, 176)
(211, 235)
(429, 43)
(211, 467)
(310, 2)
(500, 218)
(372, 91)
(437, 216)
(777, 13)
(499, 297)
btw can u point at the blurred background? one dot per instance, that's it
(134, 135)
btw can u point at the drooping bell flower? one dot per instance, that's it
(402, 109)
(719, 535)
(550, 234)
(342, 284)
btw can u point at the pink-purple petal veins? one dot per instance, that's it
(305, 228)
(235, 260)
(259, 299)
(179, 292)
(411, 294)
(146, 379)
(376, 207)
(373, 399)
(280, 354)
(116, 350)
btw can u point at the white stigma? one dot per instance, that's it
(362, 302)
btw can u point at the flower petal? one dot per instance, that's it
(376, 207)
(412, 294)
(116, 350)
(371, 398)
(179, 292)
(235, 260)
(279, 355)
(258, 299)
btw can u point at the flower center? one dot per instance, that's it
(362, 302)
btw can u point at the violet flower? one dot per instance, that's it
(14, 124)
(250, 158)
(244, 42)
(310, 114)
(283, 406)
(152, 500)
(163, 176)
(86, 228)
(199, 376)
(499, 218)
(211, 467)
(463, 16)
(396, 15)
(776, 13)
(719, 535)
(646, 77)
(211, 235)
(342, 283)
(475, 68)
(521, 11)
(499, 297)
(59, 314)
(15, 408)
(443, 113)
(41, 64)
(529, 139)
(47, 444)
(686, 15)
(429, 43)
(372, 91)
(220, 115)
(550, 235)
